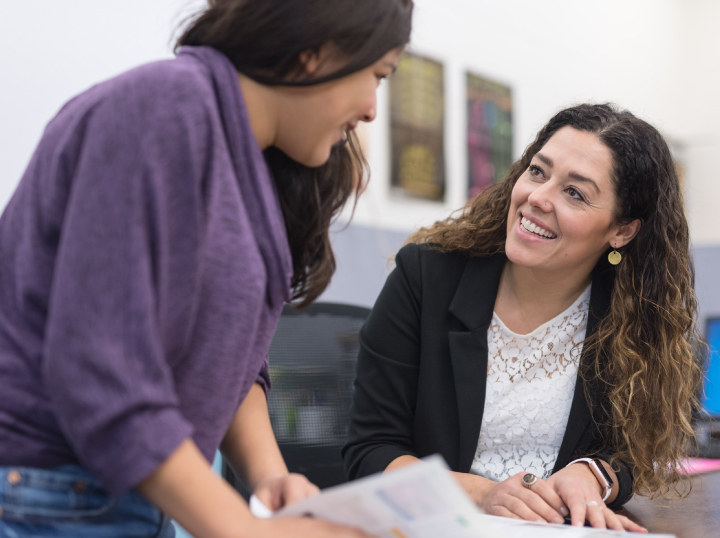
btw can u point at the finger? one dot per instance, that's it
(611, 520)
(538, 505)
(297, 488)
(518, 507)
(269, 497)
(504, 512)
(595, 516)
(629, 525)
(548, 494)
(577, 510)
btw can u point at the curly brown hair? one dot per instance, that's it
(653, 377)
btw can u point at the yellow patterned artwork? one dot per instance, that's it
(417, 127)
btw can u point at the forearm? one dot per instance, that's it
(185, 488)
(249, 445)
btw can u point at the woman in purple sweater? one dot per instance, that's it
(164, 219)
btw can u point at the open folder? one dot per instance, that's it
(420, 501)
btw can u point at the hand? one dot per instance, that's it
(577, 486)
(301, 528)
(510, 498)
(278, 491)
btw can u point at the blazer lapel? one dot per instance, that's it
(473, 305)
(580, 414)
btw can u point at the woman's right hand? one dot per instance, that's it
(301, 528)
(510, 498)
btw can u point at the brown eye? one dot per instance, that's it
(536, 171)
(575, 194)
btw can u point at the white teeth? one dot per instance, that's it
(537, 230)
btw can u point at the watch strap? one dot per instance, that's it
(600, 474)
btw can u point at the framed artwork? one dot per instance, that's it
(417, 123)
(489, 132)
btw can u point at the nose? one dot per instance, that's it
(370, 108)
(541, 197)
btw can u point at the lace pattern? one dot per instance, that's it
(529, 391)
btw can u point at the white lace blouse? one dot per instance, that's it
(529, 391)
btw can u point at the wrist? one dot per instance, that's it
(589, 477)
(268, 478)
(477, 487)
(597, 472)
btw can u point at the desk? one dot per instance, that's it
(697, 516)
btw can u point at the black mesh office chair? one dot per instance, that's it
(312, 368)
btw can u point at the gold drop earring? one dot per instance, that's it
(614, 257)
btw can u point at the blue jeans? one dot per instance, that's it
(68, 502)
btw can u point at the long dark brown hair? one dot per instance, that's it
(264, 40)
(651, 376)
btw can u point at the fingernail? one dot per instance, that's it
(558, 521)
(578, 524)
(564, 511)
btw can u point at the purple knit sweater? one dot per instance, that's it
(143, 267)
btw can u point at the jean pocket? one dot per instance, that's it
(66, 494)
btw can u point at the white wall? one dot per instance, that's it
(658, 58)
(51, 50)
(694, 114)
(552, 53)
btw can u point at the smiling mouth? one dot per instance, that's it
(531, 228)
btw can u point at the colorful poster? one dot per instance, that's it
(489, 132)
(417, 119)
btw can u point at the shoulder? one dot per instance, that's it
(157, 98)
(428, 255)
(432, 272)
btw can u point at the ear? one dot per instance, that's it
(625, 233)
(311, 60)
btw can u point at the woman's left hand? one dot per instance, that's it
(278, 491)
(579, 489)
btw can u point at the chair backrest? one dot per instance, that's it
(312, 369)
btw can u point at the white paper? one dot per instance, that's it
(414, 501)
(424, 501)
(258, 508)
(517, 528)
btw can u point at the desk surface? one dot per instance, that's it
(696, 516)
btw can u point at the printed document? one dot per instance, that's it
(421, 501)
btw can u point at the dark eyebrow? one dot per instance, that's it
(543, 158)
(584, 179)
(573, 175)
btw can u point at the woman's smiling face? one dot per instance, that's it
(562, 209)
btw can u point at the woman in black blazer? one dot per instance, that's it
(596, 181)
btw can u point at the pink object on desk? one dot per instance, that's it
(700, 465)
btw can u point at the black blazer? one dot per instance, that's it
(422, 367)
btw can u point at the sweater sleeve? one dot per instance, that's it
(383, 410)
(125, 269)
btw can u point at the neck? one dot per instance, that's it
(261, 111)
(532, 286)
(527, 298)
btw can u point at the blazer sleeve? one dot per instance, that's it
(383, 409)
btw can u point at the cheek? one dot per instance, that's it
(589, 234)
(520, 194)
